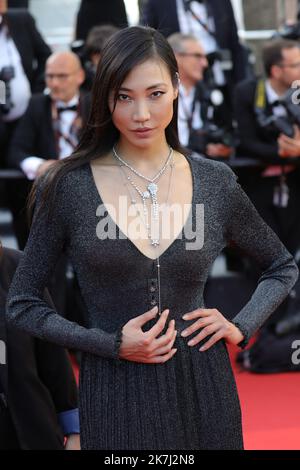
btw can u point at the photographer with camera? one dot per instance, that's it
(268, 120)
(203, 120)
(22, 61)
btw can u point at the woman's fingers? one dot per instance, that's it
(208, 330)
(167, 346)
(199, 312)
(165, 358)
(213, 340)
(167, 337)
(201, 323)
(158, 327)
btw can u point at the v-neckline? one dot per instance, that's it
(169, 247)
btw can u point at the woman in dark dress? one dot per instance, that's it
(118, 208)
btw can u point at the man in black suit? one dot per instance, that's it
(275, 189)
(211, 21)
(99, 12)
(38, 392)
(22, 61)
(200, 109)
(50, 128)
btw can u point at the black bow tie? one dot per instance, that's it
(276, 103)
(61, 109)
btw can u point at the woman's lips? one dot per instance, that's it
(143, 132)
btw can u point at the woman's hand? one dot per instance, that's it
(211, 322)
(73, 442)
(140, 346)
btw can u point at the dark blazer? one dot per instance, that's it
(254, 142)
(38, 379)
(34, 135)
(30, 44)
(96, 12)
(162, 15)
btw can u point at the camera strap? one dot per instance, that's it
(188, 9)
(260, 95)
(189, 114)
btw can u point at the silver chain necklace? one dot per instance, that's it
(154, 241)
(151, 191)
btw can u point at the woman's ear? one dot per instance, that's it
(176, 86)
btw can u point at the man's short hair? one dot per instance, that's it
(177, 41)
(272, 52)
(97, 38)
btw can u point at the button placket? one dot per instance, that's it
(152, 291)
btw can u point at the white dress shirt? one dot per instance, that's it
(19, 85)
(185, 106)
(189, 25)
(30, 164)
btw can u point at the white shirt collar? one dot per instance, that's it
(271, 93)
(72, 102)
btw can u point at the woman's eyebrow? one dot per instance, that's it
(157, 85)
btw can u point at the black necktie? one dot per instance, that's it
(61, 109)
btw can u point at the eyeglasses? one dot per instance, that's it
(296, 65)
(59, 76)
(196, 55)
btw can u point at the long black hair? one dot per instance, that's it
(123, 51)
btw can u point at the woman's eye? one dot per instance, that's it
(156, 94)
(122, 97)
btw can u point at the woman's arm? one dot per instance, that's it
(247, 230)
(26, 308)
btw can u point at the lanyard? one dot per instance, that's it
(188, 114)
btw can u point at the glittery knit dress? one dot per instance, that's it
(189, 402)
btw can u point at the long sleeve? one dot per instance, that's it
(26, 308)
(248, 231)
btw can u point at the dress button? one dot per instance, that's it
(152, 289)
(153, 302)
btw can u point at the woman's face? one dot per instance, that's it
(144, 105)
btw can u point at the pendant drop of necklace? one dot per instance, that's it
(151, 191)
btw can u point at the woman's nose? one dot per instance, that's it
(141, 112)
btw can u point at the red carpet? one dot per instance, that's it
(270, 407)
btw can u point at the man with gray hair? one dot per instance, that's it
(201, 113)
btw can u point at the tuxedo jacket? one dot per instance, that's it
(34, 135)
(37, 380)
(162, 15)
(31, 46)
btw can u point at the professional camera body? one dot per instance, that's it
(274, 125)
(215, 129)
(6, 75)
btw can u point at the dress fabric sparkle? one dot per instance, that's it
(189, 402)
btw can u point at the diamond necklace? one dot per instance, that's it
(133, 201)
(152, 189)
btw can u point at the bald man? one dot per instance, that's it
(50, 128)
